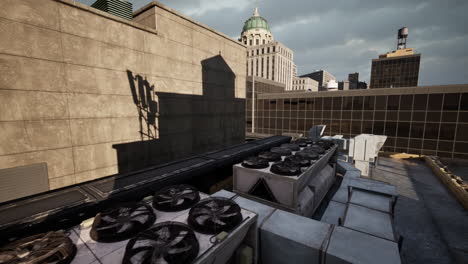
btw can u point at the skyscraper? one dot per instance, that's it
(399, 68)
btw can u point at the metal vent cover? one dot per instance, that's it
(23, 181)
(42, 206)
(232, 151)
(119, 8)
(117, 184)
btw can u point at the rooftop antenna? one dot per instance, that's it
(402, 36)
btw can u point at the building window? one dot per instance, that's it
(268, 50)
(262, 67)
(250, 42)
(263, 41)
(257, 42)
(251, 67)
(263, 51)
(273, 67)
(267, 68)
(256, 68)
(274, 48)
(258, 51)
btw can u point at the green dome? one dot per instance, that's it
(256, 22)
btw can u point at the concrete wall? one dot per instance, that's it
(91, 94)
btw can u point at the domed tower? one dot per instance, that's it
(256, 31)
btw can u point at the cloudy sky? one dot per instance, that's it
(343, 36)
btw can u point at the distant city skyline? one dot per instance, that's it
(344, 36)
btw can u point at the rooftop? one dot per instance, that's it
(433, 223)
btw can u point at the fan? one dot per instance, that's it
(302, 142)
(123, 222)
(292, 147)
(281, 151)
(315, 148)
(270, 156)
(166, 242)
(310, 155)
(286, 168)
(255, 163)
(47, 248)
(302, 162)
(213, 215)
(175, 198)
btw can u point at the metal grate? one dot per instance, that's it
(117, 184)
(23, 211)
(233, 151)
(23, 181)
(119, 8)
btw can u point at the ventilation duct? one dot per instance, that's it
(118, 8)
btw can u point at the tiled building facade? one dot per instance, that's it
(419, 120)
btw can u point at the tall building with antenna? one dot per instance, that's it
(399, 68)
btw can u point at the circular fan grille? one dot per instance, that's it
(281, 151)
(121, 223)
(292, 147)
(286, 168)
(315, 148)
(46, 248)
(175, 198)
(302, 162)
(255, 163)
(270, 156)
(310, 155)
(213, 215)
(303, 142)
(166, 242)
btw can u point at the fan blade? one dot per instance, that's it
(227, 215)
(218, 221)
(211, 204)
(108, 218)
(179, 238)
(100, 228)
(201, 211)
(165, 196)
(179, 250)
(224, 209)
(202, 219)
(190, 195)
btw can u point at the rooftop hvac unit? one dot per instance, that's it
(178, 225)
(364, 150)
(284, 185)
(118, 8)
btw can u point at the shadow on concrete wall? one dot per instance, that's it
(174, 126)
(146, 103)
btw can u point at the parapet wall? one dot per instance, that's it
(91, 94)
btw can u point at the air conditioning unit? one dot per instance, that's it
(300, 193)
(177, 224)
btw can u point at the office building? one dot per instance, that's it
(305, 84)
(352, 83)
(429, 120)
(399, 68)
(322, 77)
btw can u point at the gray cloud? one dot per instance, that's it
(343, 36)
